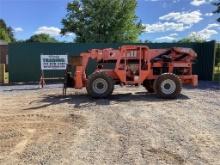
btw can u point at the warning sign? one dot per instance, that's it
(53, 62)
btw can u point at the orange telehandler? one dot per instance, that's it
(160, 71)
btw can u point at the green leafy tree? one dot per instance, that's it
(185, 40)
(42, 38)
(147, 41)
(6, 32)
(192, 38)
(4, 35)
(217, 4)
(102, 21)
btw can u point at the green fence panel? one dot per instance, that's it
(24, 58)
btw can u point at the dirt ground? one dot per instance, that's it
(39, 126)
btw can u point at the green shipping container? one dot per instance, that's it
(24, 58)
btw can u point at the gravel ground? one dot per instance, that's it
(39, 126)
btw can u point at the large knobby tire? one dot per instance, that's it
(167, 86)
(99, 85)
(148, 84)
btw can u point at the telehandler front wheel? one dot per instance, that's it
(99, 85)
(167, 86)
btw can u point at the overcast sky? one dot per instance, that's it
(165, 20)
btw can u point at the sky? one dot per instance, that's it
(164, 20)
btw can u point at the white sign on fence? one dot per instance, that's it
(53, 62)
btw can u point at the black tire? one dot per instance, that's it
(167, 86)
(99, 85)
(148, 84)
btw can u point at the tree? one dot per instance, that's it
(42, 38)
(185, 40)
(102, 21)
(147, 41)
(4, 35)
(217, 4)
(194, 37)
(6, 32)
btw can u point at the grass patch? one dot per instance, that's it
(217, 77)
(217, 69)
(217, 74)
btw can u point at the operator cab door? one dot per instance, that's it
(132, 60)
(128, 66)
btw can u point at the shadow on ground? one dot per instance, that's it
(83, 100)
(205, 85)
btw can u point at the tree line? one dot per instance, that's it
(97, 21)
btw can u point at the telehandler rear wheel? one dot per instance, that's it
(168, 86)
(99, 85)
